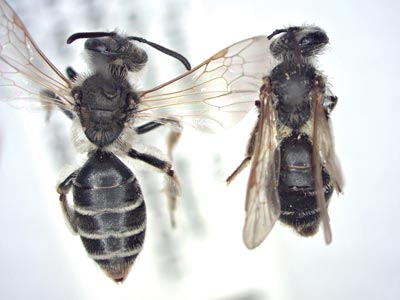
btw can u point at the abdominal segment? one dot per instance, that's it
(296, 185)
(110, 213)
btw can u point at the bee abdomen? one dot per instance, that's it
(297, 187)
(110, 214)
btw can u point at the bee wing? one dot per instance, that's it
(26, 75)
(217, 93)
(262, 199)
(324, 156)
(326, 145)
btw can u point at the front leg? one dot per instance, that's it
(172, 186)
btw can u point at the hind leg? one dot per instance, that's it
(248, 155)
(172, 187)
(68, 212)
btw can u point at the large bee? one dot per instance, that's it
(294, 168)
(108, 210)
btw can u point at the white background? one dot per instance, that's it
(204, 257)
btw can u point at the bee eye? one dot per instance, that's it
(314, 40)
(305, 42)
(95, 45)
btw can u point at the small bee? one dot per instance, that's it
(294, 168)
(108, 210)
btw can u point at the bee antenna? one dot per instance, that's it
(167, 51)
(277, 31)
(88, 35)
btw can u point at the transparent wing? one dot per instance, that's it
(262, 199)
(217, 93)
(27, 77)
(324, 156)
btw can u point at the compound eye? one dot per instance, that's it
(313, 40)
(95, 45)
(305, 42)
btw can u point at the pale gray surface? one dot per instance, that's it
(204, 258)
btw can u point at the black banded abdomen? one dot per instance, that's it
(297, 187)
(110, 213)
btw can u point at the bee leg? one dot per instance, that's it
(68, 212)
(172, 186)
(248, 155)
(147, 127)
(71, 74)
(173, 136)
(49, 109)
(172, 190)
(155, 124)
(172, 140)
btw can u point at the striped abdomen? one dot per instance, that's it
(110, 213)
(296, 185)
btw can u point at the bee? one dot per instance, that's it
(294, 168)
(108, 211)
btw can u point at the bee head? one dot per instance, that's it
(306, 41)
(111, 51)
(116, 53)
(119, 54)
